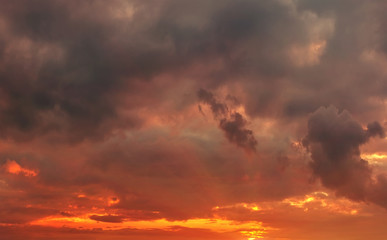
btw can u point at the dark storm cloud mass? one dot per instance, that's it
(67, 65)
(334, 139)
(232, 123)
(126, 74)
(66, 90)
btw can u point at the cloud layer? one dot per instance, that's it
(178, 111)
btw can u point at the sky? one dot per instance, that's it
(197, 120)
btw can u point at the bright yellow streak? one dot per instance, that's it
(374, 156)
(249, 206)
(215, 225)
(299, 203)
(251, 229)
(320, 200)
(252, 235)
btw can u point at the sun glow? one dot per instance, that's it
(249, 206)
(374, 156)
(252, 235)
(251, 229)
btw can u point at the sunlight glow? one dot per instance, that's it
(323, 201)
(249, 206)
(250, 229)
(374, 156)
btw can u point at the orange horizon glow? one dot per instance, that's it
(247, 229)
(314, 202)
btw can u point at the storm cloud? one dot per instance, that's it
(173, 110)
(334, 139)
(232, 123)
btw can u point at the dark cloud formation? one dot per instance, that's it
(334, 139)
(107, 218)
(236, 132)
(70, 66)
(125, 74)
(218, 109)
(58, 71)
(65, 67)
(232, 123)
(375, 129)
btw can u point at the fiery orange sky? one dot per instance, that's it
(197, 120)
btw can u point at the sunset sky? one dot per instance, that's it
(193, 119)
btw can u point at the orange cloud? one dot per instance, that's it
(13, 167)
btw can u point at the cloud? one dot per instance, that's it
(100, 99)
(13, 167)
(375, 129)
(12, 214)
(218, 109)
(68, 69)
(107, 218)
(236, 132)
(334, 139)
(232, 123)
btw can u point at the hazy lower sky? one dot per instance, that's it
(193, 119)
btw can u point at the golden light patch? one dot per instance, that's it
(375, 158)
(322, 201)
(249, 206)
(250, 229)
(252, 235)
(113, 201)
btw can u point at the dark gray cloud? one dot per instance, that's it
(236, 132)
(334, 139)
(79, 60)
(232, 123)
(218, 109)
(107, 218)
(375, 129)
(69, 66)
